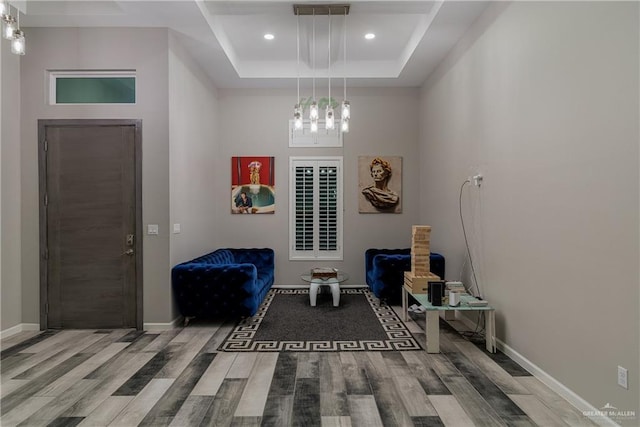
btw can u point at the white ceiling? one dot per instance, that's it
(226, 37)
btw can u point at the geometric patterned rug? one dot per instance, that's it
(286, 322)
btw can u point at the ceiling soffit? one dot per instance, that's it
(239, 28)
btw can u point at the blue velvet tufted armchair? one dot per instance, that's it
(384, 271)
(226, 282)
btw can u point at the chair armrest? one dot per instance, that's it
(239, 276)
(262, 258)
(371, 253)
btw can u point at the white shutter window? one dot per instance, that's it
(315, 208)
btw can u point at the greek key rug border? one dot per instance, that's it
(399, 338)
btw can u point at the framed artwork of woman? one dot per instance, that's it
(252, 185)
(380, 184)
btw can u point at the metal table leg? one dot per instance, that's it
(432, 328)
(405, 303)
(490, 330)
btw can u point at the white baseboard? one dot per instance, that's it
(19, 328)
(36, 327)
(162, 326)
(302, 286)
(565, 392)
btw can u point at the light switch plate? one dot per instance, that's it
(622, 377)
(152, 229)
(176, 228)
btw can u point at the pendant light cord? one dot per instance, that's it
(313, 61)
(329, 56)
(298, 52)
(345, 53)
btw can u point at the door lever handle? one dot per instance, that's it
(128, 252)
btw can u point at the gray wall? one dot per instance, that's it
(194, 144)
(101, 48)
(254, 122)
(542, 99)
(10, 289)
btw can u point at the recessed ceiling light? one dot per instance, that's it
(369, 36)
(269, 36)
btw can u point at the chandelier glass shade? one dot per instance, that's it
(329, 117)
(313, 116)
(297, 117)
(18, 43)
(313, 110)
(10, 26)
(346, 110)
(344, 125)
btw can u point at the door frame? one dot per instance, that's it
(42, 184)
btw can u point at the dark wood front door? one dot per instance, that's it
(89, 223)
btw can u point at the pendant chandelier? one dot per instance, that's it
(345, 110)
(11, 28)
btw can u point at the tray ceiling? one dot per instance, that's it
(226, 37)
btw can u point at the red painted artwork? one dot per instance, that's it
(252, 185)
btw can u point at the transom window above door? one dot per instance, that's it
(92, 87)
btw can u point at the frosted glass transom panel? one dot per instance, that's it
(92, 87)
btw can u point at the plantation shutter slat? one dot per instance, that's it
(328, 206)
(304, 208)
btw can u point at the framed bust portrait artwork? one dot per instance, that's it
(380, 184)
(252, 185)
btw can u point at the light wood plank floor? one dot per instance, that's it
(177, 378)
